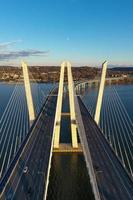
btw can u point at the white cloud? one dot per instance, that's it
(7, 54)
(21, 54)
(7, 44)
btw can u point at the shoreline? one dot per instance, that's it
(108, 82)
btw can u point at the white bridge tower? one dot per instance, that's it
(59, 107)
(28, 93)
(100, 93)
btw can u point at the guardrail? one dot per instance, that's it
(86, 151)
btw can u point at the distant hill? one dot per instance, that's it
(51, 74)
(125, 69)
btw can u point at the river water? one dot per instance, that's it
(69, 179)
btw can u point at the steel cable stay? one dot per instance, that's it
(13, 116)
(15, 113)
(15, 133)
(21, 126)
(34, 95)
(113, 110)
(125, 114)
(94, 96)
(89, 104)
(8, 124)
(25, 119)
(112, 162)
(93, 99)
(37, 92)
(23, 105)
(101, 123)
(126, 144)
(105, 118)
(113, 127)
(5, 150)
(110, 124)
(10, 149)
(92, 104)
(8, 104)
(127, 136)
(124, 108)
(117, 116)
(34, 92)
(27, 127)
(124, 125)
(19, 123)
(108, 120)
(37, 101)
(117, 132)
(8, 112)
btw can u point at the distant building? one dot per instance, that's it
(124, 75)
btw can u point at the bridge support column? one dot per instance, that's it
(59, 108)
(72, 107)
(28, 93)
(100, 93)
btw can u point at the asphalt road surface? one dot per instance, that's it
(28, 180)
(113, 181)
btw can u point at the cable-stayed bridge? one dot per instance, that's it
(26, 159)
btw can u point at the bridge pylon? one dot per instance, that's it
(28, 93)
(100, 93)
(72, 107)
(59, 107)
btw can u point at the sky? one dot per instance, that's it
(85, 32)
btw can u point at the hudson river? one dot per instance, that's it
(69, 179)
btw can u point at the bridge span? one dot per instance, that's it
(110, 180)
(28, 174)
(27, 177)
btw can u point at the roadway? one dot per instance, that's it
(28, 179)
(113, 181)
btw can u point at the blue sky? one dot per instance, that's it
(86, 32)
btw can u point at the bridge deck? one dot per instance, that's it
(113, 181)
(28, 179)
(67, 148)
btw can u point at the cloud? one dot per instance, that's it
(7, 54)
(7, 44)
(20, 54)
